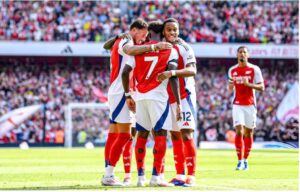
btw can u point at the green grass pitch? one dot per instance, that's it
(79, 168)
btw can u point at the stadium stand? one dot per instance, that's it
(201, 21)
(25, 82)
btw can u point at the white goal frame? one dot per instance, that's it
(68, 118)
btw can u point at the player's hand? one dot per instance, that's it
(178, 112)
(163, 46)
(164, 75)
(125, 35)
(246, 82)
(130, 103)
(179, 40)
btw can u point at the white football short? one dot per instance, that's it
(118, 109)
(188, 114)
(244, 115)
(152, 114)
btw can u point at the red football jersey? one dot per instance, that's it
(244, 95)
(117, 63)
(183, 91)
(148, 66)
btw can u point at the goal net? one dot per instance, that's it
(86, 122)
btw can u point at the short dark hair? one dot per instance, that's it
(242, 47)
(170, 20)
(155, 26)
(139, 24)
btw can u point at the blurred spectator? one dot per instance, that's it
(57, 85)
(200, 21)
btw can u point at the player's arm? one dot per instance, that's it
(230, 80)
(230, 85)
(189, 71)
(259, 86)
(125, 81)
(258, 81)
(141, 49)
(110, 42)
(125, 78)
(172, 65)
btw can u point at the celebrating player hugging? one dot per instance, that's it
(145, 60)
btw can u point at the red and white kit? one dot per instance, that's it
(244, 101)
(187, 91)
(119, 112)
(152, 107)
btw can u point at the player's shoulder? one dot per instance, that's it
(233, 67)
(123, 41)
(253, 66)
(183, 45)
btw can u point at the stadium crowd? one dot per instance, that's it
(201, 21)
(56, 85)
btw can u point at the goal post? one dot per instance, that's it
(96, 109)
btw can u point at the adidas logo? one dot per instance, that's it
(186, 124)
(235, 73)
(67, 50)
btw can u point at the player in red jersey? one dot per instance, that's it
(184, 148)
(244, 79)
(119, 136)
(129, 43)
(152, 106)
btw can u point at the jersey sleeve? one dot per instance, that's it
(258, 76)
(188, 54)
(173, 59)
(122, 43)
(230, 80)
(129, 60)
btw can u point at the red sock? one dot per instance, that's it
(239, 145)
(140, 153)
(179, 159)
(248, 145)
(159, 152)
(118, 147)
(127, 156)
(190, 152)
(111, 138)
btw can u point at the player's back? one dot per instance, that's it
(117, 63)
(147, 67)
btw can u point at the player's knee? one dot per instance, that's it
(161, 132)
(143, 134)
(175, 135)
(187, 134)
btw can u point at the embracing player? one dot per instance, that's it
(121, 118)
(184, 148)
(152, 106)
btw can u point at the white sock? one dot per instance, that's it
(142, 178)
(155, 178)
(180, 177)
(127, 175)
(109, 171)
(192, 177)
(162, 176)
